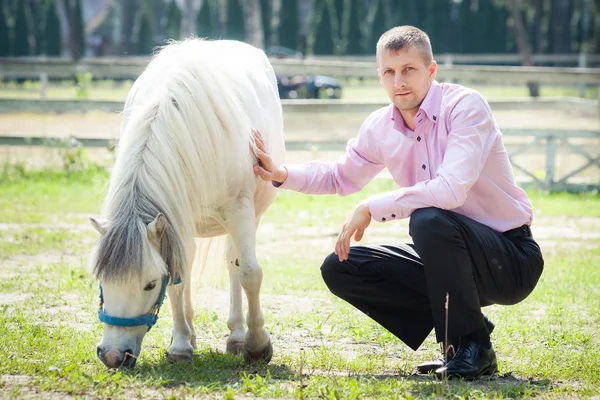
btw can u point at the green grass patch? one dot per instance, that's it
(547, 345)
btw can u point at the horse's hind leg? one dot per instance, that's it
(237, 329)
(241, 226)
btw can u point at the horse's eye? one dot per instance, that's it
(150, 286)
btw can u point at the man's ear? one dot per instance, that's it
(98, 225)
(432, 70)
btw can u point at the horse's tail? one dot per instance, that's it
(208, 261)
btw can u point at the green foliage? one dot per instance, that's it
(289, 25)
(84, 83)
(236, 27)
(80, 36)
(75, 158)
(205, 20)
(5, 40)
(405, 13)
(323, 42)
(172, 21)
(145, 42)
(23, 30)
(52, 38)
(355, 37)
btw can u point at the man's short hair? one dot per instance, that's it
(403, 37)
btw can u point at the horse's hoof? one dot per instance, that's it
(180, 357)
(235, 347)
(265, 354)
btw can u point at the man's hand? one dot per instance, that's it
(266, 169)
(355, 225)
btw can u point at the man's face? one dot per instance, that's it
(405, 76)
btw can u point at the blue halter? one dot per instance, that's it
(148, 319)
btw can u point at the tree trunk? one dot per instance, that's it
(537, 25)
(188, 22)
(73, 46)
(523, 44)
(562, 26)
(253, 17)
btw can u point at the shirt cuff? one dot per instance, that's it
(382, 207)
(295, 180)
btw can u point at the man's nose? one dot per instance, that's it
(399, 81)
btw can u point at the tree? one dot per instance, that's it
(355, 37)
(52, 41)
(38, 21)
(172, 21)
(323, 43)
(377, 23)
(145, 42)
(22, 30)
(188, 22)
(405, 13)
(561, 26)
(236, 27)
(5, 41)
(523, 43)
(265, 9)
(204, 20)
(253, 23)
(79, 27)
(289, 26)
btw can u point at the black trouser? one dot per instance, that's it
(404, 287)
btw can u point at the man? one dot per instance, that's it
(468, 219)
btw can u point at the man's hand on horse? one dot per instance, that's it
(355, 225)
(266, 168)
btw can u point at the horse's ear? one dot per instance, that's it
(156, 229)
(98, 225)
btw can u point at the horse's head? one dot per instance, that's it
(133, 279)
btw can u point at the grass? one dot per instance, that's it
(547, 346)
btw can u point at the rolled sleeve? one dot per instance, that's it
(296, 178)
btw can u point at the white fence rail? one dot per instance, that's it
(128, 68)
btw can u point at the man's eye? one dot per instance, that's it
(150, 286)
(408, 69)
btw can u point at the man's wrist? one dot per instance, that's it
(281, 174)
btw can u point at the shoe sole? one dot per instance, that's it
(489, 371)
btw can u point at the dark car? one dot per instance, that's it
(309, 87)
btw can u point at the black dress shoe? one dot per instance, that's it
(431, 365)
(471, 361)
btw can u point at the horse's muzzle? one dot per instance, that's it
(116, 359)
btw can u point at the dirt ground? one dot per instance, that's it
(298, 126)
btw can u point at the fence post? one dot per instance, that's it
(550, 162)
(43, 84)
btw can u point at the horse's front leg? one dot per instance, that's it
(235, 322)
(241, 226)
(181, 348)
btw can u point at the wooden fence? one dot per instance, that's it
(129, 68)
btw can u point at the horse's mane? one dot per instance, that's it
(184, 143)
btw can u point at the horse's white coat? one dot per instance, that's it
(185, 149)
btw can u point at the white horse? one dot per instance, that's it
(183, 179)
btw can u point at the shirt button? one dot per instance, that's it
(382, 219)
(434, 118)
(423, 166)
(418, 138)
(393, 215)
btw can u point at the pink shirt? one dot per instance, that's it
(454, 160)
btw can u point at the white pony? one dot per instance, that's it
(183, 176)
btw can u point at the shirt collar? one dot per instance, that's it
(430, 108)
(431, 103)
